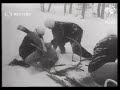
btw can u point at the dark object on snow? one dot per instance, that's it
(19, 63)
(61, 31)
(104, 51)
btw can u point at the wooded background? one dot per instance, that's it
(111, 8)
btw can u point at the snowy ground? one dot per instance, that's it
(94, 30)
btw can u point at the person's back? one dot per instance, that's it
(64, 32)
(67, 29)
(26, 47)
(104, 51)
(30, 44)
(103, 65)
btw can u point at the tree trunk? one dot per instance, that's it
(70, 10)
(83, 10)
(98, 9)
(102, 11)
(65, 8)
(49, 7)
(43, 7)
(116, 8)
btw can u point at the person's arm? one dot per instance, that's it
(43, 44)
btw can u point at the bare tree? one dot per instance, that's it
(116, 7)
(49, 7)
(65, 8)
(79, 8)
(70, 10)
(42, 7)
(83, 10)
(102, 10)
(98, 9)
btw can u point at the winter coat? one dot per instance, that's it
(104, 51)
(107, 71)
(63, 29)
(26, 47)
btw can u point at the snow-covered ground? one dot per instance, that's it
(94, 30)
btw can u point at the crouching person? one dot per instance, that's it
(64, 32)
(29, 50)
(103, 65)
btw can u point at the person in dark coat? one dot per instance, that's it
(64, 32)
(102, 70)
(104, 51)
(27, 47)
(103, 63)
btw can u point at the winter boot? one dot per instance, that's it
(20, 63)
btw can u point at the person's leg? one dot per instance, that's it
(54, 43)
(85, 53)
(55, 46)
(62, 48)
(17, 62)
(77, 50)
(33, 58)
(77, 36)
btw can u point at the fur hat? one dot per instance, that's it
(49, 23)
(40, 30)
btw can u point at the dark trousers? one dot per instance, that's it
(76, 49)
(60, 45)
